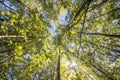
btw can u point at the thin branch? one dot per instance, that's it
(83, 27)
(113, 10)
(5, 59)
(73, 22)
(22, 4)
(100, 69)
(80, 9)
(6, 5)
(10, 36)
(98, 5)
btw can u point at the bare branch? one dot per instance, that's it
(98, 5)
(113, 10)
(10, 36)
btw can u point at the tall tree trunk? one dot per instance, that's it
(58, 69)
(102, 34)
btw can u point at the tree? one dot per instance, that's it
(36, 43)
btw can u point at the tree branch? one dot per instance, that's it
(113, 10)
(98, 5)
(10, 36)
(102, 34)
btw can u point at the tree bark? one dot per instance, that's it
(58, 69)
(101, 34)
(10, 36)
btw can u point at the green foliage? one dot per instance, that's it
(32, 36)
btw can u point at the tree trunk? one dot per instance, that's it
(10, 36)
(102, 34)
(58, 69)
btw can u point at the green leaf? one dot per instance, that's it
(19, 48)
(2, 12)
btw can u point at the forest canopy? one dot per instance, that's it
(59, 39)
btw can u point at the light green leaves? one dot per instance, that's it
(2, 27)
(78, 25)
(2, 12)
(22, 20)
(34, 37)
(62, 10)
(73, 32)
(5, 13)
(18, 50)
(8, 13)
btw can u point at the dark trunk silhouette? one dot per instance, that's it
(58, 69)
